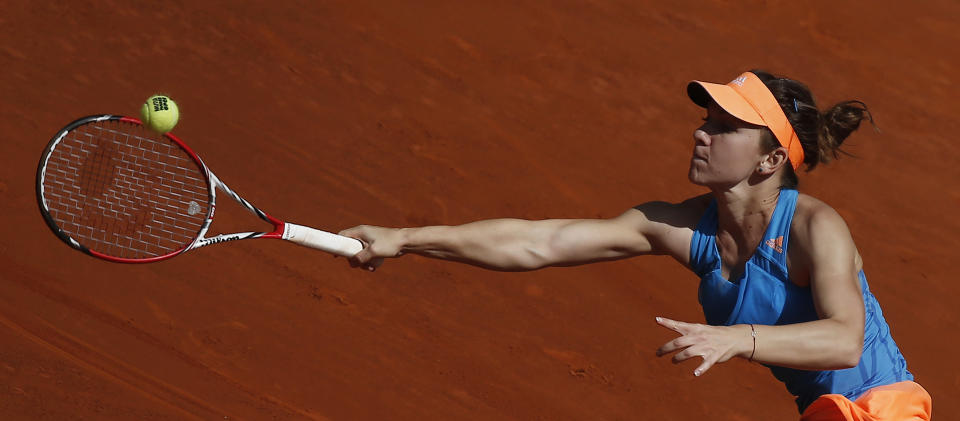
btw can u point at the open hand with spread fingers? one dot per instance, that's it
(715, 344)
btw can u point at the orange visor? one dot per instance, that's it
(748, 99)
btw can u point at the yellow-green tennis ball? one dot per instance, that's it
(160, 113)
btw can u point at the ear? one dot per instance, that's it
(772, 161)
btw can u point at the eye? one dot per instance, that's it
(718, 126)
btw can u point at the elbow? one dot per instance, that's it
(522, 259)
(532, 258)
(849, 354)
(533, 255)
(851, 358)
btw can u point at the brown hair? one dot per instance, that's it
(820, 133)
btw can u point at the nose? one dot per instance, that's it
(701, 137)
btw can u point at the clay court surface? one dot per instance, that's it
(335, 114)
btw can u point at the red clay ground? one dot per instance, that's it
(340, 113)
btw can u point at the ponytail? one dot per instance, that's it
(820, 134)
(837, 123)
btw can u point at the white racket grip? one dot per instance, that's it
(322, 240)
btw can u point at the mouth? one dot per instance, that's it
(697, 154)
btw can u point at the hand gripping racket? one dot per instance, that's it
(113, 189)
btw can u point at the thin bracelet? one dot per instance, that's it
(753, 333)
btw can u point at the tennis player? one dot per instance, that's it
(781, 281)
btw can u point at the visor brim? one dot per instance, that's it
(725, 97)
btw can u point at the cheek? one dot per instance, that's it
(735, 158)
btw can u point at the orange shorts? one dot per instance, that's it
(901, 401)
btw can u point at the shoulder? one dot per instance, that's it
(818, 231)
(685, 213)
(669, 226)
(813, 216)
(821, 246)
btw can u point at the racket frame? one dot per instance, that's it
(281, 229)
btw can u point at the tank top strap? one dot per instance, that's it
(703, 258)
(777, 236)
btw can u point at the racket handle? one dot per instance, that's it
(321, 240)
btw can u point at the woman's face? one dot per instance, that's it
(726, 150)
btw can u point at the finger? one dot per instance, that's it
(363, 257)
(679, 343)
(360, 233)
(374, 264)
(707, 363)
(351, 232)
(673, 325)
(686, 354)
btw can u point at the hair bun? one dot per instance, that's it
(837, 123)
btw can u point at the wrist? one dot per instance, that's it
(744, 348)
(751, 346)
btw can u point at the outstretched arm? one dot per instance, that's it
(519, 245)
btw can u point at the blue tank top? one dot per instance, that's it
(764, 294)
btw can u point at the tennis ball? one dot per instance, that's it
(160, 113)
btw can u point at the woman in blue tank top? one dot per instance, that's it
(781, 281)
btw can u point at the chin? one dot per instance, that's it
(694, 176)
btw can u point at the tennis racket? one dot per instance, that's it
(113, 189)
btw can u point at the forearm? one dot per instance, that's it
(510, 244)
(498, 244)
(825, 344)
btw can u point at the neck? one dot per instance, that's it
(744, 211)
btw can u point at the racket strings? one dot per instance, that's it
(123, 191)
